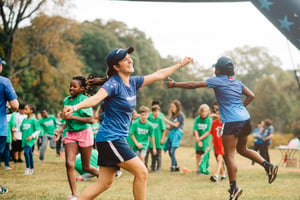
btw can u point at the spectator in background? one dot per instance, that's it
(48, 123)
(258, 138)
(267, 139)
(17, 144)
(176, 124)
(201, 128)
(7, 94)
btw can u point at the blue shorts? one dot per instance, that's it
(111, 153)
(240, 128)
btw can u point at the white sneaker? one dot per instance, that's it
(119, 173)
(27, 171)
(31, 171)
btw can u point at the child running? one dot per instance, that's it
(79, 133)
(235, 118)
(119, 90)
(30, 129)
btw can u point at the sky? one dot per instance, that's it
(201, 30)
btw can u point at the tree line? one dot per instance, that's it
(46, 54)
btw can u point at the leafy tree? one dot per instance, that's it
(13, 13)
(45, 58)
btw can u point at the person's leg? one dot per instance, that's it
(229, 143)
(138, 169)
(71, 151)
(26, 155)
(104, 181)
(6, 154)
(43, 147)
(30, 156)
(248, 153)
(58, 146)
(147, 157)
(52, 142)
(198, 159)
(2, 145)
(85, 160)
(172, 153)
(157, 160)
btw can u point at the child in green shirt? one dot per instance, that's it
(201, 126)
(159, 137)
(30, 128)
(141, 131)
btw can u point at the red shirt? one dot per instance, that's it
(217, 141)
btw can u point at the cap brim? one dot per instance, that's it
(130, 50)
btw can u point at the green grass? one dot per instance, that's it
(50, 181)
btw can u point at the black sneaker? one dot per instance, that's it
(3, 190)
(213, 178)
(272, 172)
(234, 195)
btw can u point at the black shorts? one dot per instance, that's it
(16, 146)
(111, 153)
(199, 152)
(240, 128)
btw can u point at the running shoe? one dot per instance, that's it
(272, 172)
(119, 174)
(234, 195)
(213, 178)
(8, 168)
(3, 190)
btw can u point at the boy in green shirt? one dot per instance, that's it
(141, 131)
(159, 137)
(48, 124)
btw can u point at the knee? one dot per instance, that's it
(86, 168)
(242, 150)
(70, 164)
(142, 174)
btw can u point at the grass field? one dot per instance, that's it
(50, 181)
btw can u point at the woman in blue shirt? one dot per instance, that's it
(235, 118)
(118, 91)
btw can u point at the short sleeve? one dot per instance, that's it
(10, 92)
(111, 86)
(137, 81)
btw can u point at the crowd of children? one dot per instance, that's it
(149, 132)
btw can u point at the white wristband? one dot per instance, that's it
(73, 108)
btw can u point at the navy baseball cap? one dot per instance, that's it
(224, 62)
(2, 62)
(116, 55)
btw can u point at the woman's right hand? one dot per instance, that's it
(68, 110)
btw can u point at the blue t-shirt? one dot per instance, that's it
(228, 92)
(118, 107)
(7, 93)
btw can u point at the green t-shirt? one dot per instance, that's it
(28, 127)
(48, 125)
(142, 132)
(11, 119)
(128, 138)
(159, 126)
(202, 126)
(74, 125)
(93, 161)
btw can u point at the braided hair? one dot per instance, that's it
(82, 82)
